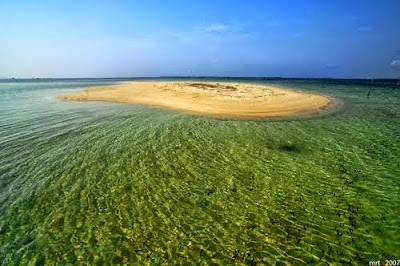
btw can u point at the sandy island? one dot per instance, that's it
(210, 98)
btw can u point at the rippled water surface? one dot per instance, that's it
(95, 182)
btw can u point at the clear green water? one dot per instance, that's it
(104, 183)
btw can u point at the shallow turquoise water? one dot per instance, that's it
(94, 182)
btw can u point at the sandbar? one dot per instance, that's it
(225, 99)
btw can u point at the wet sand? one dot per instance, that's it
(210, 98)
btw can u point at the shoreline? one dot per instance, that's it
(220, 99)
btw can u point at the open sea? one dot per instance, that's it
(106, 183)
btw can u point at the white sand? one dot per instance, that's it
(211, 98)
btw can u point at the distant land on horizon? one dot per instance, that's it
(204, 77)
(382, 82)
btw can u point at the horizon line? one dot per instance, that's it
(201, 76)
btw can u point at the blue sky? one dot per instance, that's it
(214, 38)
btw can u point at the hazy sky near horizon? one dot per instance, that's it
(309, 38)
